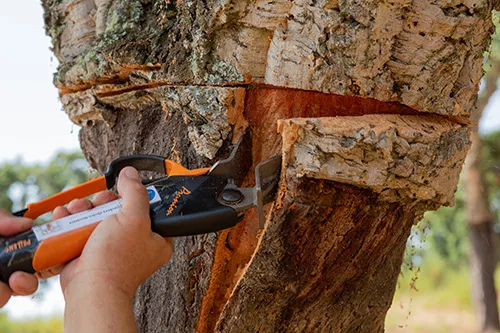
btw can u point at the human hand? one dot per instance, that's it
(122, 252)
(20, 283)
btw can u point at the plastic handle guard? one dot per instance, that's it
(36, 209)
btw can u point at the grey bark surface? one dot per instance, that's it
(426, 55)
(182, 79)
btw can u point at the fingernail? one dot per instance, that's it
(26, 285)
(131, 173)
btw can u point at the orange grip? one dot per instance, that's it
(80, 191)
(175, 169)
(62, 248)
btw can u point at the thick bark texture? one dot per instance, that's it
(183, 79)
(482, 259)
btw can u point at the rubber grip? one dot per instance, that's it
(148, 163)
(36, 209)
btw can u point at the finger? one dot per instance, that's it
(5, 293)
(12, 225)
(79, 205)
(135, 207)
(165, 247)
(60, 212)
(23, 283)
(50, 272)
(104, 197)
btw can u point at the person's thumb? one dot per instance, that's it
(135, 206)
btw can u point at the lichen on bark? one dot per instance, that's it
(210, 113)
(182, 79)
(426, 55)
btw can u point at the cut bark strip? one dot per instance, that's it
(324, 222)
(395, 142)
(398, 157)
(181, 79)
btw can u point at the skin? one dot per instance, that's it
(121, 253)
(20, 283)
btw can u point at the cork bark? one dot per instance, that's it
(384, 90)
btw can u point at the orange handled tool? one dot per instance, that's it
(43, 247)
(185, 202)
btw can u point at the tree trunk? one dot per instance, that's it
(482, 259)
(372, 100)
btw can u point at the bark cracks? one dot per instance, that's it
(182, 79)
(398, 157)
(426, 55)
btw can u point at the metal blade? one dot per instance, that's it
(237, 165)
(267, 175)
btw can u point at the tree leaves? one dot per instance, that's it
(21, 183)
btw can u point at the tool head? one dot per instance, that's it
(267, 175)
(237, 165)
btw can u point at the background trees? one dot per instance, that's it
(22, 182)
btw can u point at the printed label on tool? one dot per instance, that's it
(87, 217)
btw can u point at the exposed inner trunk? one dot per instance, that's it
(318, 82)
(335, 213)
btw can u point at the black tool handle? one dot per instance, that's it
(216, 219)
(16, 254)
(140, 162)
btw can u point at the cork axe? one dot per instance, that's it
(183, 202)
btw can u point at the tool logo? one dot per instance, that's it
(153, 194)
(18, 245)
(50, 228)
(179, 194)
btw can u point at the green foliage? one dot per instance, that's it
(491, 169)
(436, 285)
(448, 234)
(441, 238)
(66, 169)
(21, 183)
(50, 325)
(494, 52)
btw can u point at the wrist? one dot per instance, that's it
(93, 305)
(94, 285)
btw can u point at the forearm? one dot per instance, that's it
(97, 307)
